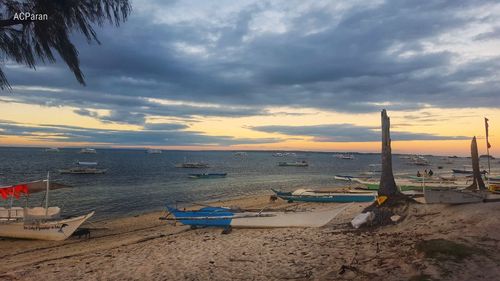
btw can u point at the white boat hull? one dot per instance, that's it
(49, 230)
(291, 219)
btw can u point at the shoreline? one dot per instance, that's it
(144, 247)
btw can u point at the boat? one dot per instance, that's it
(307, 195)
(153, 151)
(240, 154)
(374, 170)
(41, 223)
(374, 185)
(302, 163)
(467, 169)
(487, 156)
(86, 163)
(193, 165)
(226, 217)
(83, 168)
(343, 177)
(88, 151)
(419, 161)
(52, 149)
(345, 156)
(82, 171)
(207, 175)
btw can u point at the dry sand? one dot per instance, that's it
(145, 248)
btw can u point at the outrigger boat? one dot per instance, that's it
(208, 175)
(88, 151)
(307, 195)
(302, 163)
(465, 170)
(83, 168)
(193, 165)
(41, 223)
(226, 217)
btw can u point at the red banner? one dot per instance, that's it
(15, 190)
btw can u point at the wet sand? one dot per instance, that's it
(146, 248)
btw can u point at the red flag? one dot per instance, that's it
(486, 125)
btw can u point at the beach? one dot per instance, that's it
(433, 242)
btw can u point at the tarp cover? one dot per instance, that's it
(26, 188)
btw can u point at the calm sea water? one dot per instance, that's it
(138, 182)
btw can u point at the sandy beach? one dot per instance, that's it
(434, 242)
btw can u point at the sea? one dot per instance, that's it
(137, 182)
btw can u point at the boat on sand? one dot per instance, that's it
(226, 217)
(308, 195)
(41, 223)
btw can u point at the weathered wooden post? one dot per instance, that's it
(387, 184)
(478, 180)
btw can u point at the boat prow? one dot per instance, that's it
(53, 230)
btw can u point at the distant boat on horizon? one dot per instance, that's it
(302, 163)
(345, 156)
(87, 151)
(207, 175)
(154, 151)
(52, 149)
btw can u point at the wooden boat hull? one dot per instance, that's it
(223, 217)
(49, 230)
(452, 196)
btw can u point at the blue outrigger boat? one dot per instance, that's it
(303, 195)
(226, 217)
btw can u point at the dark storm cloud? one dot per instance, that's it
(161, 134)
(349, 133)
(359, 59)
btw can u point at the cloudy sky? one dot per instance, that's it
(309, 75)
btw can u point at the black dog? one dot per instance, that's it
(82, 232)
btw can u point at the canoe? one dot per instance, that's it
(303, 195)
(208, 175)
(225, 217)
(453, 196)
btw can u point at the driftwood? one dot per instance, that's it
(478, 182)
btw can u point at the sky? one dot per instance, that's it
(271, 75)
